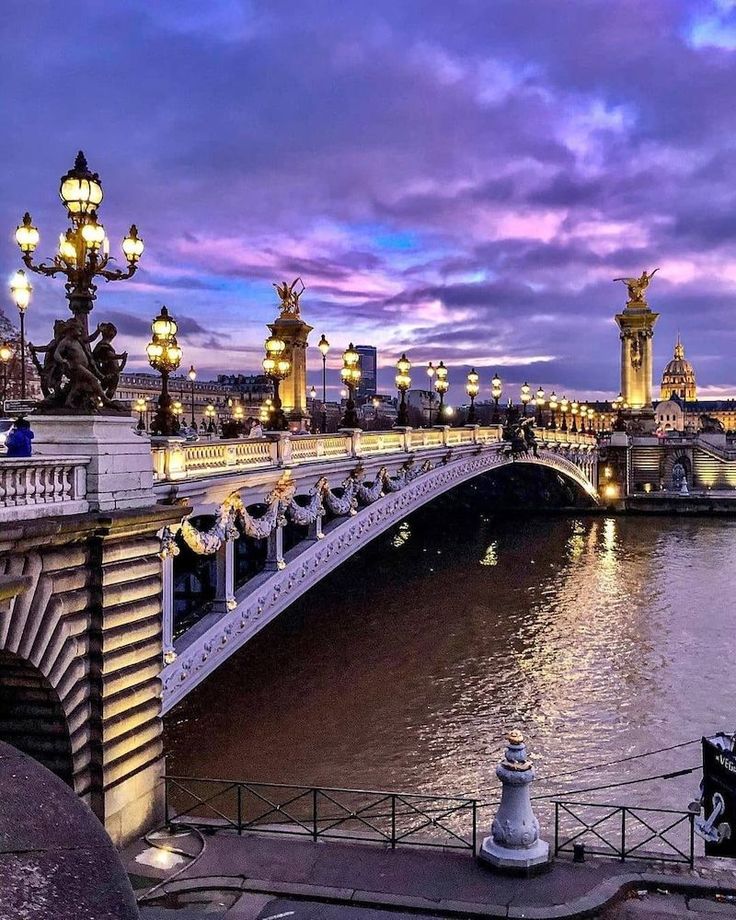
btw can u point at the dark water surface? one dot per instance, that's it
(600, 637)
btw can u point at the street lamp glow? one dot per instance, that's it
(164, 356)
(350, 374)
(26, 235)
(323, 345)
(80, 189)
(278, 367)
(20, 288)
(403, 382)
(526, 395)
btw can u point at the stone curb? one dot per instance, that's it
(587, 905)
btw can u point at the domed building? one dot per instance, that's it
(678, 378)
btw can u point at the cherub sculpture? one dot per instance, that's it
(109, 364)
(289, 296)
(637, 286)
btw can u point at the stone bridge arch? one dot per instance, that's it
(257, 603)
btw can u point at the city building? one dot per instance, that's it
(678, 377)
(368, 371)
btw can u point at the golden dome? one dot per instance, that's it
(678, 377)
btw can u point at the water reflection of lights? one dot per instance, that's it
(402, 534)
(491, 555)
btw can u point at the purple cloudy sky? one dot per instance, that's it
(460, 180)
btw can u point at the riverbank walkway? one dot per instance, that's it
(429, 882)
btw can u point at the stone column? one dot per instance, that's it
(225, 577)
(293, 391)
(275, 552)
(514, 845)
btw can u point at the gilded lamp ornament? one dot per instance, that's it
(71, 378)
(164, 355)
(277, 367)
(403, 382)
(350, 374)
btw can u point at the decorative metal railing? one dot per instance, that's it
(390, 818)
(42, 485)
(626, 831)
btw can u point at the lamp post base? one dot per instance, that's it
(515, 861)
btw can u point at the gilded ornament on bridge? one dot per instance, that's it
(289, 295)
(637, 287)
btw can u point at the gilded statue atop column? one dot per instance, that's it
(637, 287)
(289, 296)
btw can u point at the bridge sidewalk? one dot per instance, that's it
(428, 881)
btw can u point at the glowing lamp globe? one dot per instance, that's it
(26, 236)
(80, 189)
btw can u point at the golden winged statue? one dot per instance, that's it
(289, 296)
(637, 286)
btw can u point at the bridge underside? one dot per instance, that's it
(200, 650)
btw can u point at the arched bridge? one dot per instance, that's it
(337, 491)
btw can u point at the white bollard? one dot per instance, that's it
(514, 845)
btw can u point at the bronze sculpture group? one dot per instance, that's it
(76, 378)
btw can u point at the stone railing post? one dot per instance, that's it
(475, 429)
(282, 442)
(225, 577)
(275, 550)
(354, 434)
(444, 429)
(514, 845)
(405, 432)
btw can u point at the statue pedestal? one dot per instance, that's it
(120, 471)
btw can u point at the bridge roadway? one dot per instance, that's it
(386, 475)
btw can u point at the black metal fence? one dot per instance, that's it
(625, 832)
(391, 818)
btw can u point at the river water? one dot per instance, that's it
(600, 637)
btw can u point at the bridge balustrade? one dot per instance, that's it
(33, 487)
(175, 459)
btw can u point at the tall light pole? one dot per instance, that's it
(278, 367)
(553, 410)
(21, 289)
(539, 402)
(403, 382)
(140, 408)
(164, 356)
(350, 374)
(563, 410)
(442, 385)
(6, 353)
(324, 347)
(472, 388)
(192, 375)
(496, 391)
(574, 407)
(526, 395)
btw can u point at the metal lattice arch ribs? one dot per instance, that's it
(254, 608)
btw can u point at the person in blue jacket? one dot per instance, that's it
(18, 441)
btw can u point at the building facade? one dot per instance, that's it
(368, 371)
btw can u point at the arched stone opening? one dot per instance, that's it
(31, 716)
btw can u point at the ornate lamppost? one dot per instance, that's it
(140, 407)
(350, 374)
(496, 391)
(526, 395)
(591, 416)
(583, 410)
(574, 407)
(210, 412)
(6, 353)
(192, 375)
(164, 356)
(553, 410)
(442, 385)
(564, 405)
(277, 368)
(472, 387)
(539, 402)
(83, 252)
(430, 374)
(403, 382)
(324, 347)
(21, 289)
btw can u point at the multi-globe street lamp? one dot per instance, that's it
(564, 406)
(442, 385)
(574, 409)
(430, 374)
(192, 375)
(164, 355)
(140, 407)
(496, 391)
(539, 402)
(277, 368)
(472, 388)
(83, 252)
(6, 353)
(583, 410)
(591, 416)
(324, 347)
(526, 396)
(403, 382)
(553, 410)
(350, 374)
(210, 413)
(20, 288)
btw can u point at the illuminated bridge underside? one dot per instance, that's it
(203, 648)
